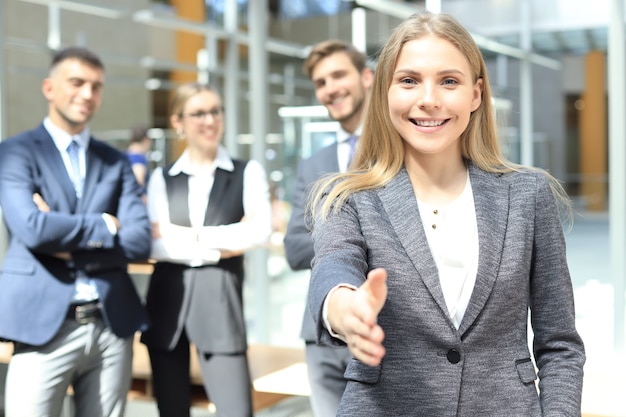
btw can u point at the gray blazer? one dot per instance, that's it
(484, 368)
(298, 241)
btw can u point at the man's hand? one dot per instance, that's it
(115, 221)
(156, 230)
(41, 203)
(353, 314)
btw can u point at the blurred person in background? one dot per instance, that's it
(342, 81)
(75, 217)
(206, 210)
(137, 151)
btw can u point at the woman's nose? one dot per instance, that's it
(428, 97)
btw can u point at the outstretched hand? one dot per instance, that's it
(353, 314)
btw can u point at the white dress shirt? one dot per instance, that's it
(62, 140)
(200, 245)
(343, 147)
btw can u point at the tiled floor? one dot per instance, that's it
(291, 407)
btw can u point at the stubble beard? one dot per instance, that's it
(71, 121)
(356, 110)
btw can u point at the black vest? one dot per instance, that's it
(225, 203)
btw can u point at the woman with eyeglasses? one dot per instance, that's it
(206, 209)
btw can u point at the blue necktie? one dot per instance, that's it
(85, 289)
(352, 142)
(72, 151)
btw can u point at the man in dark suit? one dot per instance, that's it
(75, 218)
(342, 82)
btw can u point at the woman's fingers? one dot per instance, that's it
(368, 350)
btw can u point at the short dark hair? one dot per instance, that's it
(326, 48)
(79, 53)
(138, 134)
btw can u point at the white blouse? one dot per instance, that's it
(200, 245)
(452, 235)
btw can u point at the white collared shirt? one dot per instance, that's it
(62, 140)
(200, 245)
(343, 147)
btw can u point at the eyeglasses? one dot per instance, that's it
(200, 116)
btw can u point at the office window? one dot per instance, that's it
(298, 9)
(215, 11)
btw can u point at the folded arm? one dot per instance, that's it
(197, 246)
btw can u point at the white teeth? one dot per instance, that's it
(429, 123)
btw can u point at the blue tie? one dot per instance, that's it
(72, 151)
(352, 142)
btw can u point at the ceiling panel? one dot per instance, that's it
(577, 42)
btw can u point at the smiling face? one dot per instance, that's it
(431, 97)
(341, 88)
(202, 123)
(74, 93)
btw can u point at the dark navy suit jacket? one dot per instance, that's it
(36, 288)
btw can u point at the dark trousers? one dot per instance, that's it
(226, 380)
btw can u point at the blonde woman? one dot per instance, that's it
(206, 209)
(431, 253)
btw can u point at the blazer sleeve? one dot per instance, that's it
(341, 258)
(558, 349)
(135, 236)
(298, 242)
(61, 230)
(43, 232)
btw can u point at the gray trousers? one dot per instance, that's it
(97, 364)
(325, 367)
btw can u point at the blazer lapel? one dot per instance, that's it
(93, 174)
(400, 204)
(491, 200)
(52, 160)
(220, 187)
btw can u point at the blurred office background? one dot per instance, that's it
(557, 69)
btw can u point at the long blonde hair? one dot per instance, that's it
(380, 154)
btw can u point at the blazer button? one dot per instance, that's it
(453, 356)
